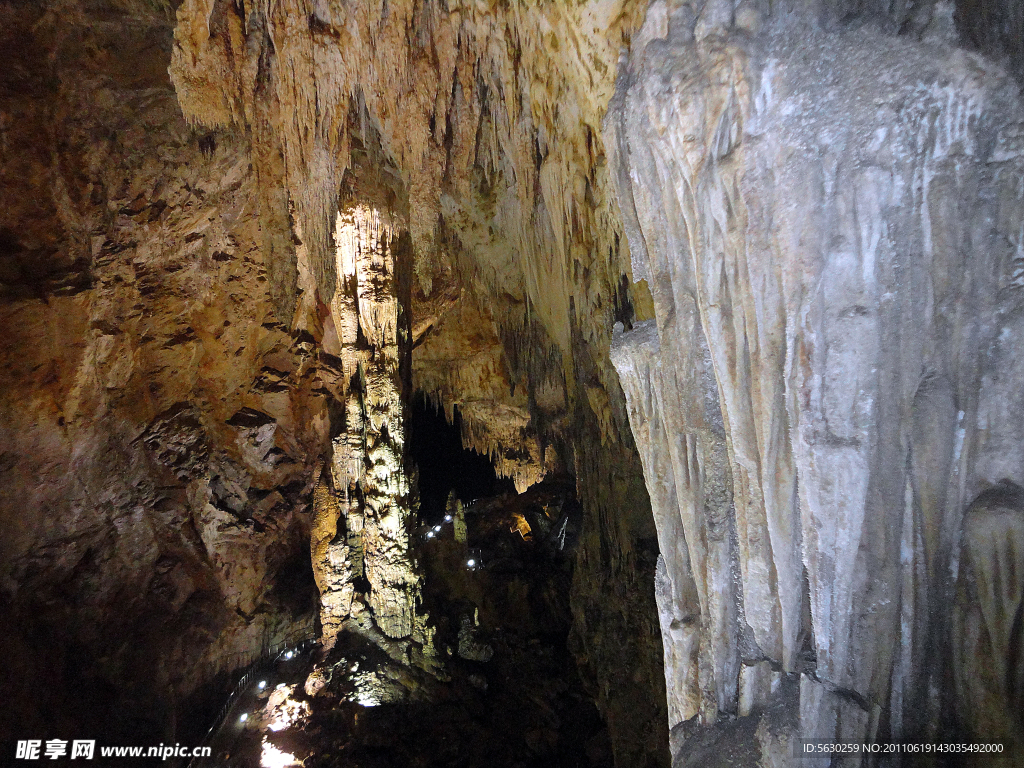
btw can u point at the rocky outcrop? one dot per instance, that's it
(160, 421)
(460, 360)
(829, 226)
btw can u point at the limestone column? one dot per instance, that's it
(370, 505)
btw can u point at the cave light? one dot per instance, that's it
(367, 700)
(262, 685)
(244, 717)
(447, 518)
(283, 711)
(273, 757)
(471, 563)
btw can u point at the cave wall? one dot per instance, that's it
(814, 382)
(489, 115)
(828, 218)
(160, 422)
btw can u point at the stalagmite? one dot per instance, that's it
(332, 561)
(372, 501)
(458, 514)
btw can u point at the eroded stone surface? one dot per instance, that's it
(987, 631)
(828, 223)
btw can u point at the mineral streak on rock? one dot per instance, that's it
(827, 222)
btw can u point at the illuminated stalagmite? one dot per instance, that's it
(362, 521)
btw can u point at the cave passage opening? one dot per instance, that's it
(435, 447)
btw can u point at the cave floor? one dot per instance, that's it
(507, 691)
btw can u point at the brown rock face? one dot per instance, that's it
(371, 513)
(988, 668)
(160, 421)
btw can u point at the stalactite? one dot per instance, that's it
(496, 140)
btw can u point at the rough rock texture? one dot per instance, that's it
(484, 120)
(372, 503)
(175, 388)
(819, 359)
(460, 360)
(511, 695)
(494, 149)
(160, 424)
(829, 226)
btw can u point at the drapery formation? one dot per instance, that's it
(829, 224)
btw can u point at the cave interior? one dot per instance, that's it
(512, 383)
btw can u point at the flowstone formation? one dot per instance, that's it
(987, 665)
(829, 223)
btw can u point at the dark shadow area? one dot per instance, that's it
(294, 586)
(435, 446)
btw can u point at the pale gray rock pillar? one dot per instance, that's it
(830, 228)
